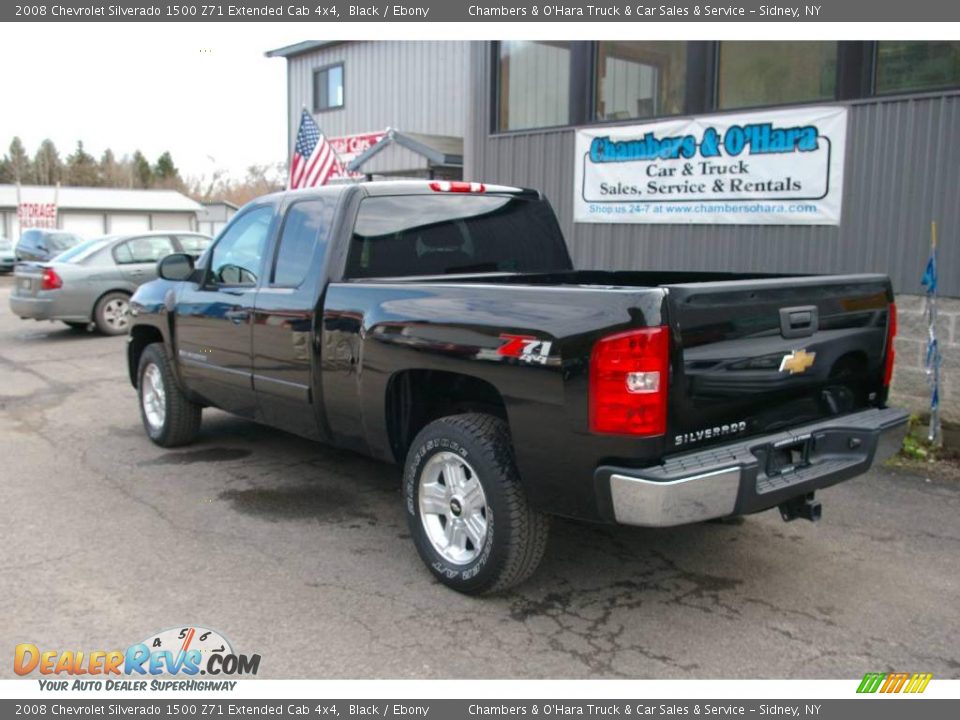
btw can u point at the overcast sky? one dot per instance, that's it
(199, 91)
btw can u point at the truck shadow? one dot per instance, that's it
(279, 477)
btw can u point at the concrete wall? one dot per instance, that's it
(910, 388)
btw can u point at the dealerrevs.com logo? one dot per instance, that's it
(186, 652)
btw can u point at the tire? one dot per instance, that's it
(473, 449)
(112, 314)
(168, 416)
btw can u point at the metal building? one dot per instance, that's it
(214, 216)
(365, 93)
(98, 211)
(902, 170)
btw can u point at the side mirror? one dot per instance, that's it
(177, 267)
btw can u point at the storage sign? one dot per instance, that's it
(782, 167)
(37, 215)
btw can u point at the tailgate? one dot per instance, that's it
(758, 356)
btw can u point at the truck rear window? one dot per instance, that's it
(404, 235)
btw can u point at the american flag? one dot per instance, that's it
(314, 159)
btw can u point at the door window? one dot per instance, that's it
(237, 255)
(143, 250)
(304, 231)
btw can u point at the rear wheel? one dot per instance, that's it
(112, 314)
(168, 416)
(467, 511)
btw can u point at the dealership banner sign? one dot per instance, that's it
(780, 167)
(348, 147)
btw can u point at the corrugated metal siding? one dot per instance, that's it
(902, 171)
(408, 85)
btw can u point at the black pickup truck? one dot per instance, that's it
(441, 326)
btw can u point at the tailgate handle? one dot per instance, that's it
(798, 321)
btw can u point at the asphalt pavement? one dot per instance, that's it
(300, 553)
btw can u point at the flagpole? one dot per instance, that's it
(933, 357)
(19, 213)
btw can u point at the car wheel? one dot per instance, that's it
(112, 314)
(169, 417)
(467, 511)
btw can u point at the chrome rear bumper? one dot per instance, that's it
(736, 478)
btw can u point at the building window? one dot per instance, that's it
(328, 88)
(534, 84)
(753, 74)
(640, 79)
(902, 66)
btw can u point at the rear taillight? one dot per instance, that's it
(891, 352)
(49, 280)
(628, 382)
(457, 186)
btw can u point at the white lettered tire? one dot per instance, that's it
(467, 511)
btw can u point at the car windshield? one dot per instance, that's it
(82, 251)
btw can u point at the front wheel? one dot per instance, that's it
(168, 416)
(467, 511)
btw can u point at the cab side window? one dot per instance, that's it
(237, 255)
(305, 229)
(143, 250)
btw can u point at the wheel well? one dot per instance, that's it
(102, 295)
(140, 337)
(416, 398)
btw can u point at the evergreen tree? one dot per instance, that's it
(112, 172)
(47, 165)
(166, 174)
(19, 166)
(82, 170)
(142, 172)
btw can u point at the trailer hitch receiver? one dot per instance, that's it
(803, 506)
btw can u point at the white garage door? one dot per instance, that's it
(88, 225)
(128, 223)
(171, 221)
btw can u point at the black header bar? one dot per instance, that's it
(617, 11)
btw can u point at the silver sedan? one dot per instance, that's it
(91, 284)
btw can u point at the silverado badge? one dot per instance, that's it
(797, 362)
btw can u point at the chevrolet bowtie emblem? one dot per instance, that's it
(797, 362)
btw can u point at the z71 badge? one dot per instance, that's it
(526, 348)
